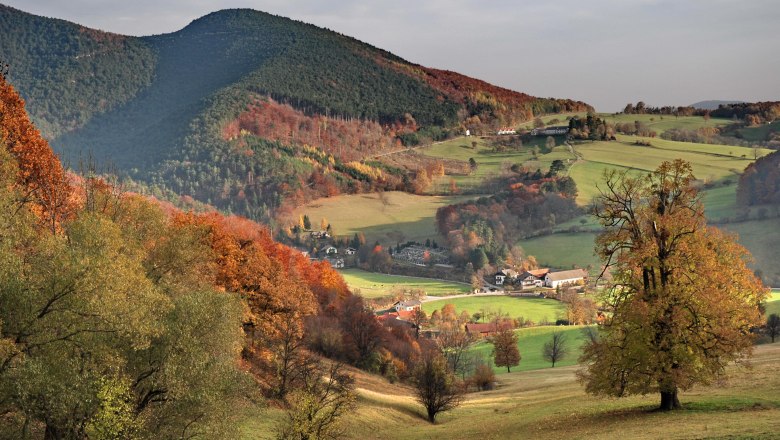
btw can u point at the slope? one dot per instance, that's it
(195, 116)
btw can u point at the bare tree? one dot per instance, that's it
(556, 348)
(454, 344)
(435, 386)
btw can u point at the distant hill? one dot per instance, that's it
(243, 109)
(713, 104)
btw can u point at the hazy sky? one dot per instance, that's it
(604, 52)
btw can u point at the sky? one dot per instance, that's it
(604, 52)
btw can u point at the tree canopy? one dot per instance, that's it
(683, 300)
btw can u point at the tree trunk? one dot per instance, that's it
(507, 369)
(52, 433)
(431, 415)
(669, 400)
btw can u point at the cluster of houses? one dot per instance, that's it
(540, 278)
(550, 131)
(416, 255)
(332, 255)
(506, 130)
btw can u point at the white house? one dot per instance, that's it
(330, 250)
(407, 306)
(506, 130)
(350, 251)
(565, 278)
(336, 263)
(533, 278)
(550, 131)
(468, 132)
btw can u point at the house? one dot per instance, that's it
(337, 263)
(506, 130)
(407, 306)
(550, 131)
(565, 278)
(320, 234)
(533, 278)
(468, 132)
(350, 251)
(329, 250)
(506, 276)
(487, 329)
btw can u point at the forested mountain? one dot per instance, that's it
(242, 109)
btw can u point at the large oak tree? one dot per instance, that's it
(683, 300)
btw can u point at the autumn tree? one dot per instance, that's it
(683, 300)
(435, 387)
(317, 407)
(505, 351)
(556, 348)
(773, 326)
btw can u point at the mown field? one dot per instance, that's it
(550, 403)
(377, 285)
(661, 123)
(395, 217)
(535, 309)
(530, 342)
(773, 304)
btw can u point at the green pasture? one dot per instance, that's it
(563, 250)
(661, 123)
(392, 218)
(759, 133)
(535, 309)
(376, 285)
(530, 342)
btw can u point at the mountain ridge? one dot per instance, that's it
(165, 127)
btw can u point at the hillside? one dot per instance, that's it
(222, 110)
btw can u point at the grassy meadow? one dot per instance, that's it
(530, 342)
(550, 403)
(377, 285)
(535, 309)
(398, 218)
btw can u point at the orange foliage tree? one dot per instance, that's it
(40, 174)
(683, 300)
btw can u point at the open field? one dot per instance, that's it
(550, 404)
(376, 285)
(759, 133)
(547, 120)
(661, 123)
(761, 238)
(530, 342)
(403, 217)
(535, 309)
(773, 303)
(710, 162)
(562, 250)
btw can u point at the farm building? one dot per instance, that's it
(505, 276)
(506, 130)
(533, 278)
(565, 278)
(407, 306)
(550, 131)
(337, 263)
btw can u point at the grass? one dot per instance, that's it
(773, 303)
(550, 403)
(404, 217)
(530, 342)
(562, 251)
(535, 309)
(710, 162)
(376, 285)
(759, 133)
(668, 122)
(761, 238)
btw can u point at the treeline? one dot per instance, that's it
(752, 113)
(760, 183)
(484, 231)
(126, 318)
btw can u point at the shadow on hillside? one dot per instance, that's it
(386, 404)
